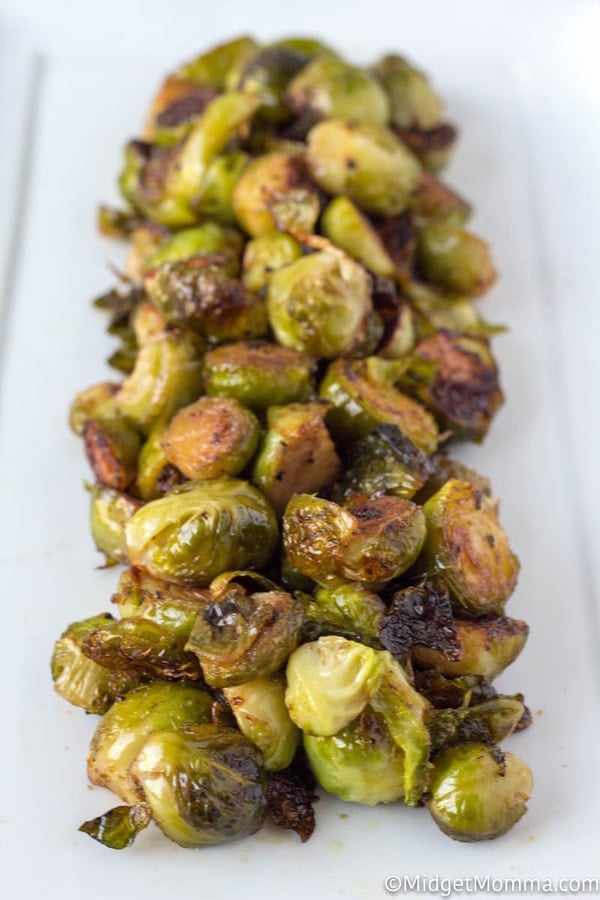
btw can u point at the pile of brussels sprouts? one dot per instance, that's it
(313, 591)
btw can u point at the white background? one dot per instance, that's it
(523, 82)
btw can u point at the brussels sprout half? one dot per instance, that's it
(321, 304)
(203, 785)
(478, 793)
(201, 529)
(468, 549)
(123, 730)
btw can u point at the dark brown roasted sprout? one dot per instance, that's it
(370, 542)
(314, 590)
(455, 376)
(296, 455)
(468, 549)
(259, 374)
(241, 637)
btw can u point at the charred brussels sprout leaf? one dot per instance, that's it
(241, 637)
(361, 763)
(119, 827)
(142, 649)
(262, 716)
(360, 400)
(489, 645)
(296, 454)
(329, 683)
(478, 793)
(385, 461)
(468, 549)
(488, 723)
(290, 798)
(321, 304)
(203, 785)
(258, 374)
(123, 730)
(79, 679)
(201, 529)
(404, 711)
(371, 542)
(420, 616)
(268, 74)
(363, 161)
(212, 437)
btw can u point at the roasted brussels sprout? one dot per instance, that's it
(258, 374)
(330, 88)
(432, 146)
(173, 606)
(455, 259)
(321, 304)
(222, 175)
(370, 542)
(262, 716)
(434, 201)
(349, 229)
(468, 549)
(206, 239)
(329, 683)
(478, 793)
(365, 162)
(265, 254)
(110, 511)
(143, 649)
(79, 679)
(112, 447)
(211, 69)
(413, 102)
(296, 455)
(155, 474)
(361, 763)
(360, 401)
(385, 461)
(456, 377)
(167, 376)
(97, 401)
(274, 193)
(268, 74)
(122, 731)
(214, 436)
(203, 785)
(201, 529)
(240, 637)
(350, 610)
(200, 295)
(489, 645)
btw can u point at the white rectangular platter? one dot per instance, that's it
(521, 81)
